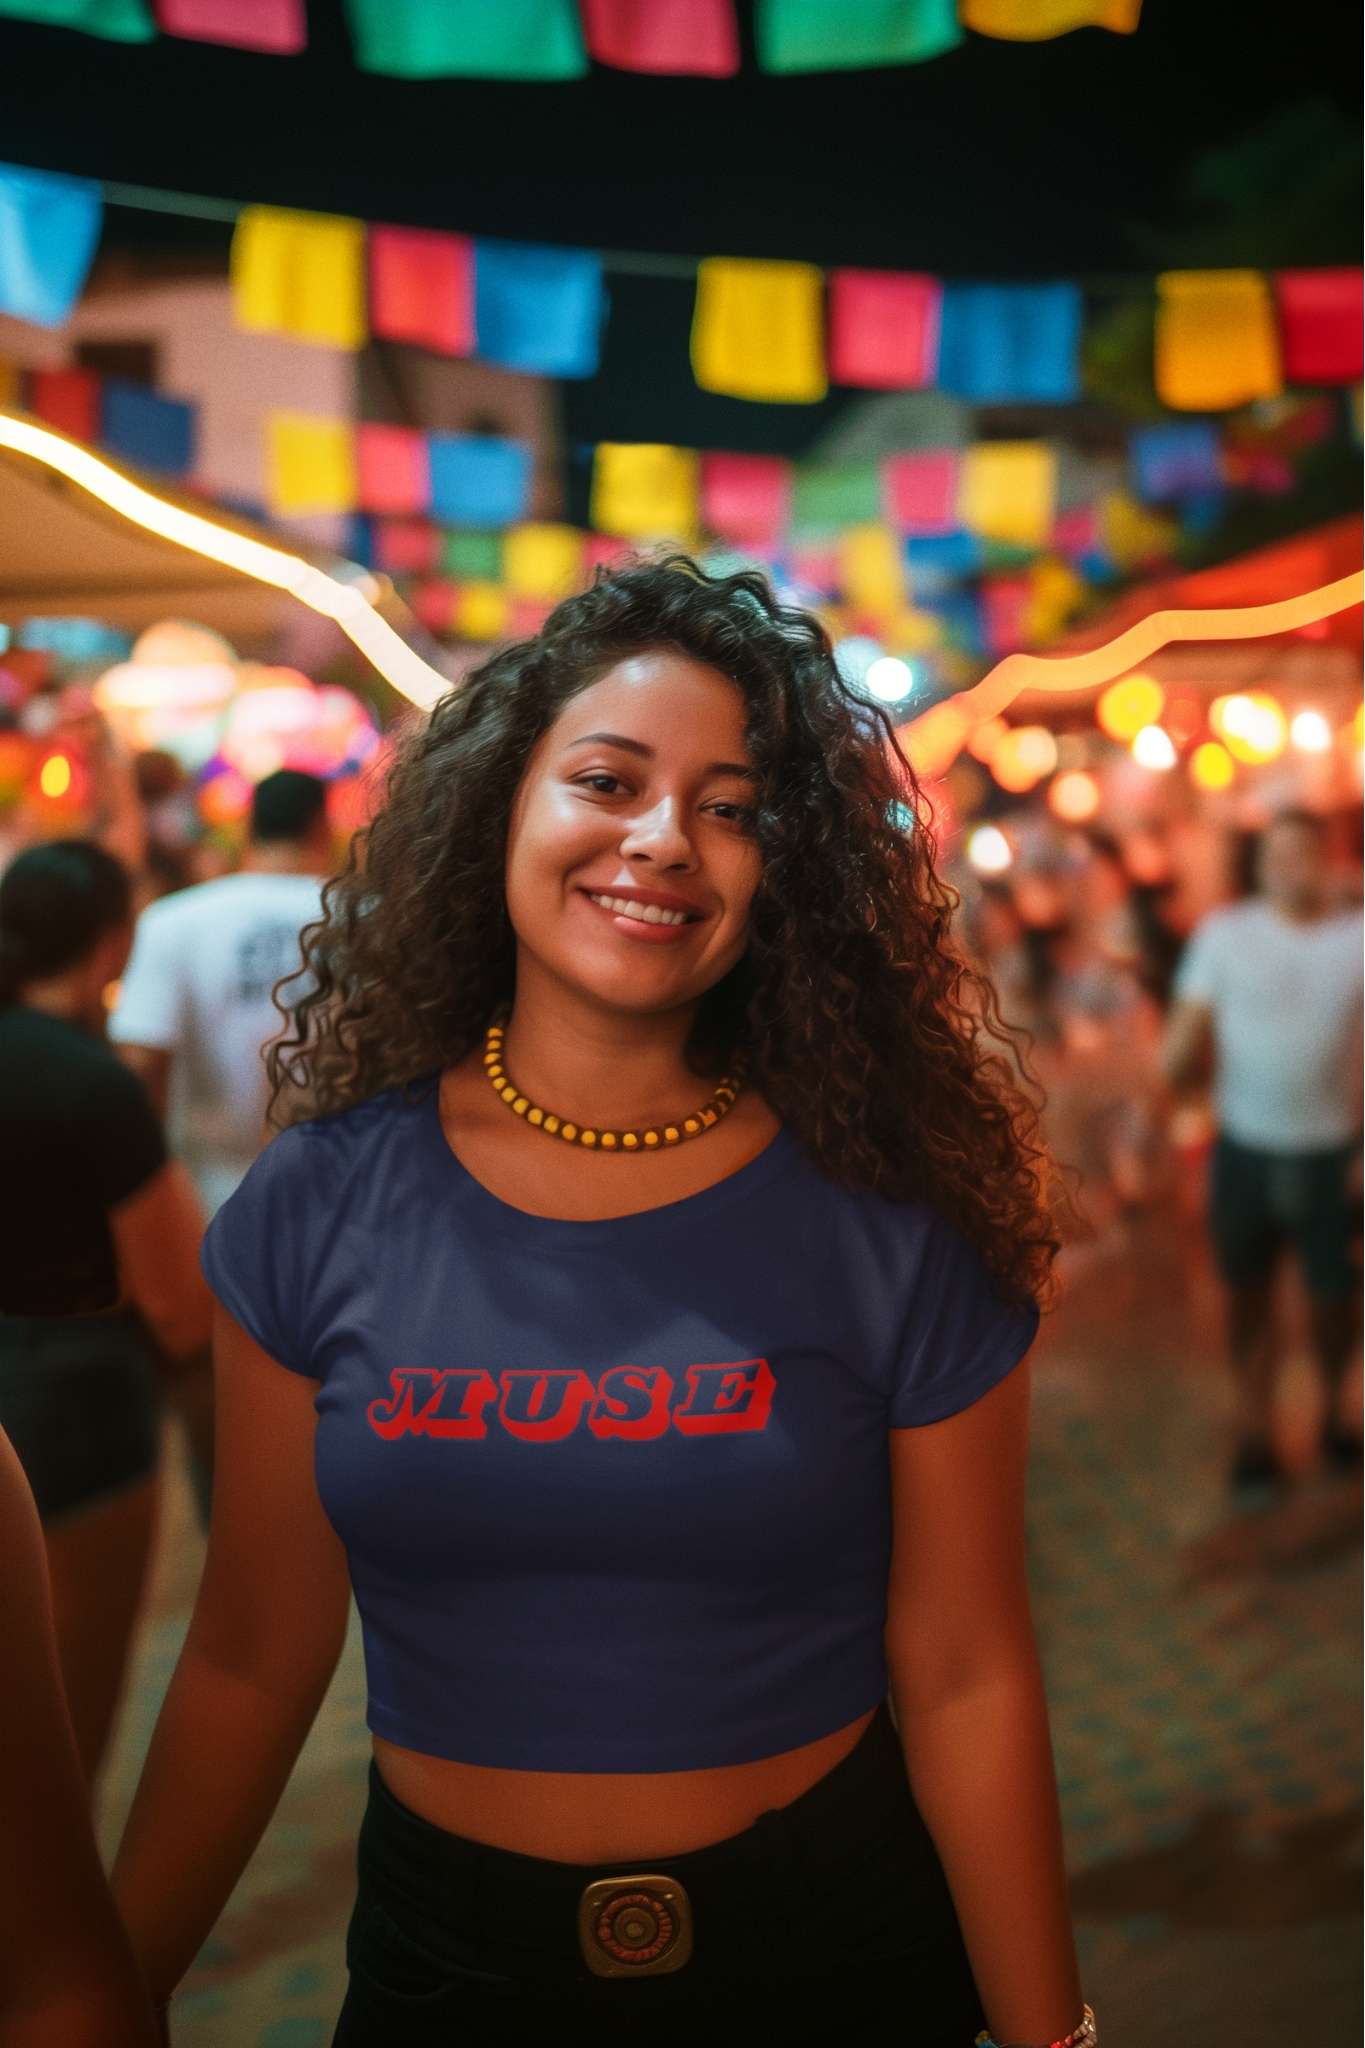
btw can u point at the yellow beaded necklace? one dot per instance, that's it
(712, 1110)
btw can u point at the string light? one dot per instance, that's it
(1211, 766)
(348, 604)
(1310, 732)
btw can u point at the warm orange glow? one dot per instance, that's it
(54, 777)
(1211, 766)
(1128, 705)
(1024, 756)
(1074, 797)
(987, 736)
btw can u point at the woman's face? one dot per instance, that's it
(631, 858)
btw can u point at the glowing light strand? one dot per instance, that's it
(352, 611)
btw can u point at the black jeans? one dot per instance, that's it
(828, 1919)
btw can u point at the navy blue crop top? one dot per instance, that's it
(615, 1495)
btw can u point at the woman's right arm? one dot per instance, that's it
(263, 1642)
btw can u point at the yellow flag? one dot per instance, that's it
(1007, 491)
(645, 490)
(311, 464)
(1133, 534)
(481, 611)
(1036, 21)
(757, 330)
(542, 560)
(1056, 591)
(870, 568)
(301, 274)
(1216, 340)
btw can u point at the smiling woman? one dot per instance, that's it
(649, 1477)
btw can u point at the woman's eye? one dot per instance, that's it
(595, 781)
(742, 814)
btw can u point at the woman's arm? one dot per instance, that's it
(970, 1706)
(67, 1975)
(264, 1639)
(156, 1232)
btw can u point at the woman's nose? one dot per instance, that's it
(660, 835)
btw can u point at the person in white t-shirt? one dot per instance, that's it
(194, 1007)
(1272, 989)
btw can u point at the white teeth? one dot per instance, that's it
(643, 913)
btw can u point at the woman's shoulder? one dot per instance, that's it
(318, 1144)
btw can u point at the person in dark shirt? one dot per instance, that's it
(98, 1262)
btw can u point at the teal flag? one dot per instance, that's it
(851, 35)
(118, 21)
(829, 496)
(468, 38)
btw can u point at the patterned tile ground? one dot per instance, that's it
(1203, 1671)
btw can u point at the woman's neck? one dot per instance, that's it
(614, 1069)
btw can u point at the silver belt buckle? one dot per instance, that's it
(634, 1926)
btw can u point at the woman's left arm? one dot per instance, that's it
(967, 1687)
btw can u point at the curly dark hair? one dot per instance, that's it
(865, 1028)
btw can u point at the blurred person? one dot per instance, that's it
(98, 1250)
(1270, 990)
(67, 1974)
(194, 1006)
(628, 1646)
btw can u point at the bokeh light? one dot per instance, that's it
(1074, 797)
(1211, 766)
(1154, 748)
(1128, 705)
(988, 850)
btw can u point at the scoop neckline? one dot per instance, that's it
(774, 1157)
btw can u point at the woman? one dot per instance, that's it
(100, 1242)
(67, 1976)
(647, 1280)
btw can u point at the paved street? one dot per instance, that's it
(1204, 1673)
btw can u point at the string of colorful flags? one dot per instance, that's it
(771, 332)
(551, 40)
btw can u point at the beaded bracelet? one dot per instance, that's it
(1086, 2035)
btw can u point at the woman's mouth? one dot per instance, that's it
(641, 920)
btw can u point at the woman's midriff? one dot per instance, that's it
(591, 1817)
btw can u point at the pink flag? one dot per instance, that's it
(1004, 605)
(603, 551)
(1320, 325)
(422, 288)
(693, 36)
(883, 329)
(921, 491)
(276, 26)
(394, 474)
(745, 497)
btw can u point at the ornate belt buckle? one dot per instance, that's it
(638, 1926)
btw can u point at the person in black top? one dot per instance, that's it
(98, 1262)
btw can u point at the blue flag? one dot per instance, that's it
(479, 480)
(49, 226)
(538, 309)
(146, 429)
(1176, 460)
(1002, 344)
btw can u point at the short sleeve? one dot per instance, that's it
(1196, 978)
(148, 1007)
(959, 1336)
(254, 1251)
(121, 1139)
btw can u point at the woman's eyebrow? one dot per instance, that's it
(616, 739)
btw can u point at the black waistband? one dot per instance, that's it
(520, 1911)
